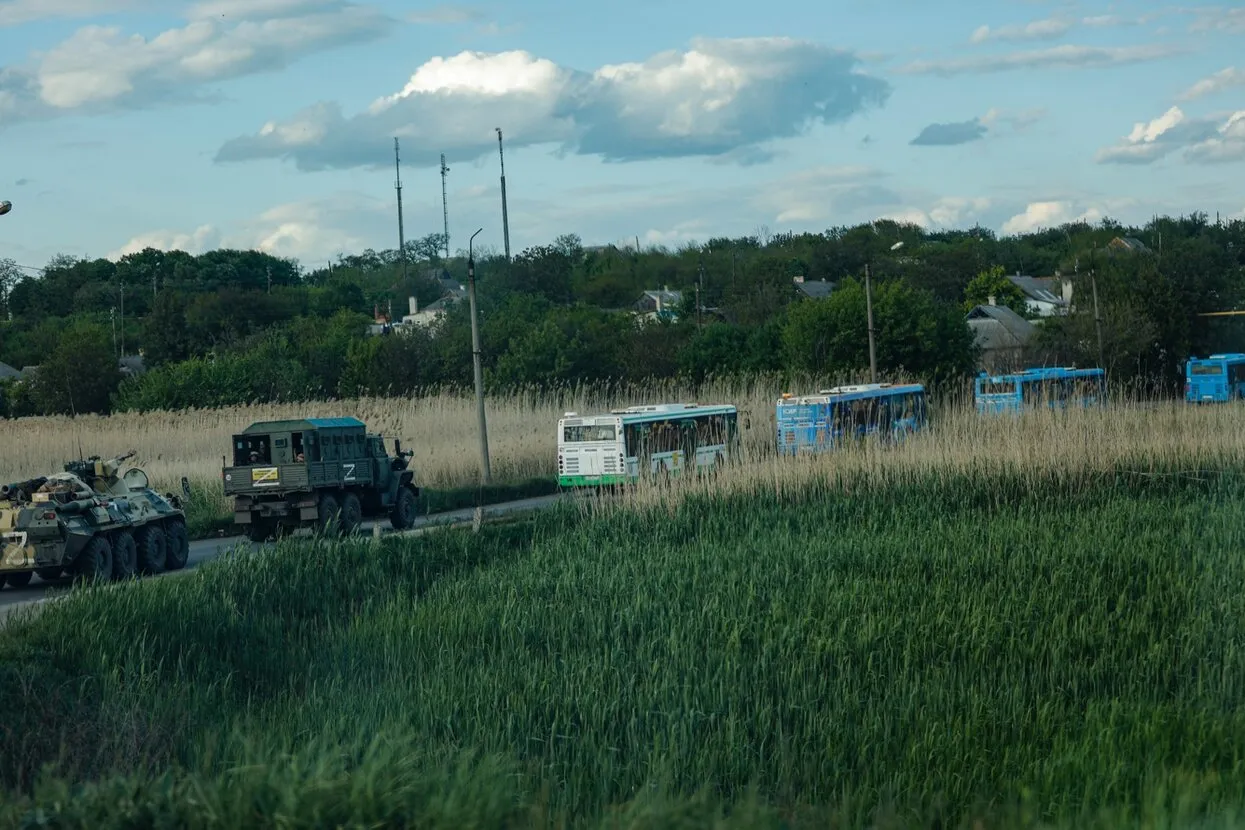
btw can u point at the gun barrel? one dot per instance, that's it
(18, 487)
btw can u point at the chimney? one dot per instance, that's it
(990, 299)
(414, 303)
(1067, 291)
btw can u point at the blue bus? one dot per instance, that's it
(1214, 379)
(814, 423)
(1055, 387)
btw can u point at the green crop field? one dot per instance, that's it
(986, 646)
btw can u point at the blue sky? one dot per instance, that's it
(270, 123)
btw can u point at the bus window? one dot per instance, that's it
(598, 432)
(1206, 369)
(1003, 388)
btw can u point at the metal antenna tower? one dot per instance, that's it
(445, 207)
(397, 184)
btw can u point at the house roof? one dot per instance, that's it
(1040, 289)
(1130, 243)
(817, 290)
(998, 327)
(7, 372)
(666, 297)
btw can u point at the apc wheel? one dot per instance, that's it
(94, 564)
(153, 549)
(19, 579)
(179, 545)
(402, 514)
(351, 515)
(124, 556)
(329, 514)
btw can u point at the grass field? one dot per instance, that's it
(1033, 622)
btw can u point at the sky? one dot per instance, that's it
(270, 124)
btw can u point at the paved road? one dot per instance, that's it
(204, 550)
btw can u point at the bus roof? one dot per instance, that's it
(658, 411)
(852, 393)
(1042, 372)
(1228, 356)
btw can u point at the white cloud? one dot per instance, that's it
(1204, 140)
(716, 98)
(101, 67)
(1047, 29)
(1229, 21)
(446, 15)
(1221, 80)
(1065, 57)
(18, 12)
(1039, 215)
(945, 213)
(203, 238)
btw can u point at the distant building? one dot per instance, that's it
(7, 372)
(1045, 296)
(453, 292)
(1002, 335)
(814, 290)
(1128, 243)
(659, 305)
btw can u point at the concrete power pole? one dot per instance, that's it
(873, 355)
(397, 184)
(505, 219)
(475, 360)
(445, 208)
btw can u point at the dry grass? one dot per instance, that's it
(441, 429)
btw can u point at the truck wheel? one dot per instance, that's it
(352, 514)
(402, 514)
(124, 556)
(153, 548)
(19, 579)
(329, 514)
(94, 563)
(2, 579)
(50, 574)
(179, 545)
(260, 531)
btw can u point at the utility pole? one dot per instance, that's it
(122, 285)
(505, 219)
(445, 208)
(268, 270)
(1093, 280)
(700, 283)
(475, 359)
(873, 355)
(397, 183)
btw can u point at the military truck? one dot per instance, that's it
(323, 473)
(90, 523)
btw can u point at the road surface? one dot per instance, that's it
(204, 550)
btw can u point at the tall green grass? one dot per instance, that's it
(897, 649)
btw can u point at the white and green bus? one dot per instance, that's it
(614, 448)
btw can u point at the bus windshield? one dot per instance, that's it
(1001, 388)
(1206, 369)
(591, 432)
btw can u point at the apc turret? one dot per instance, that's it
(91, 523)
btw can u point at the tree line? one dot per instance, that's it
(230, 326)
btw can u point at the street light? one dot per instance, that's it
(873, 352)
(475, 356)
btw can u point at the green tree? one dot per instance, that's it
(79, 375)
(994, 283)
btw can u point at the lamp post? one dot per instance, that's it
(475, 357)
(873, 353)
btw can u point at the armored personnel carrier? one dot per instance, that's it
(90, 523)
